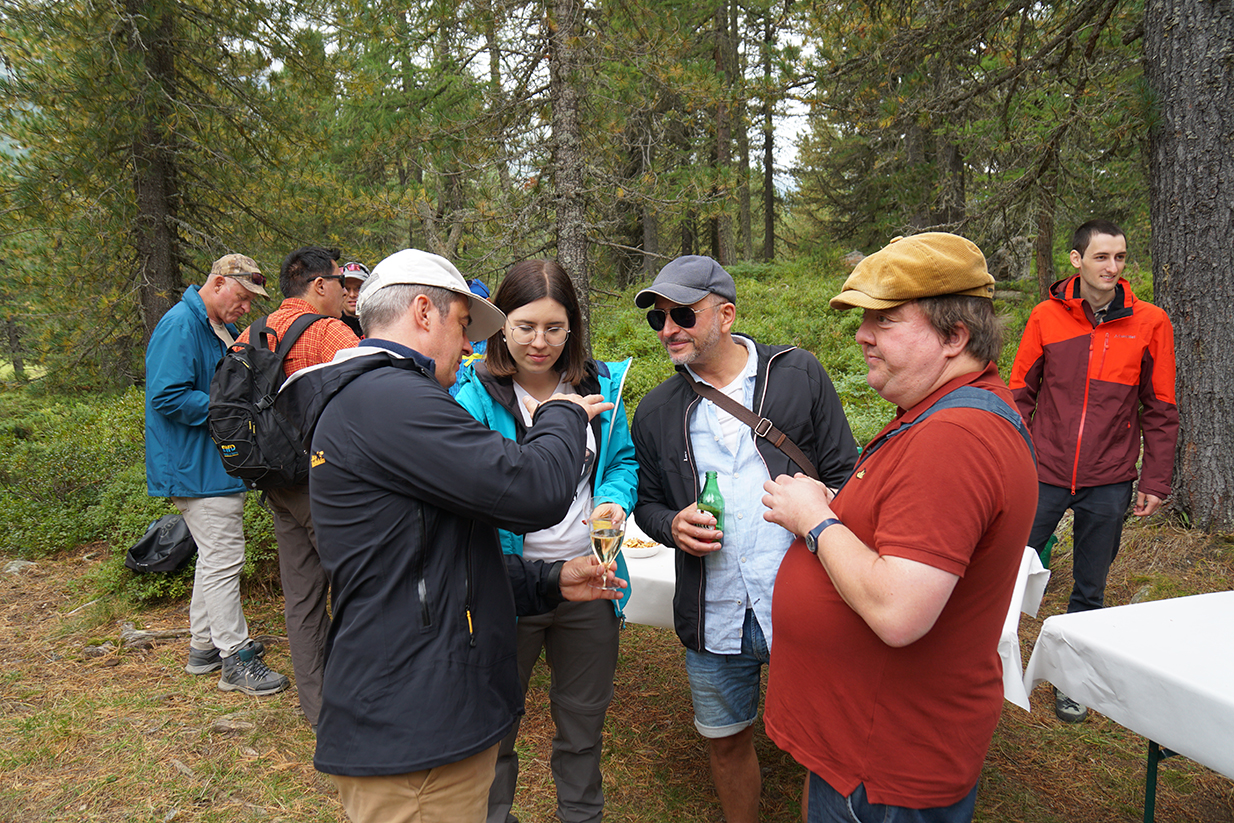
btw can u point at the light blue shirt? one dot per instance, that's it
(742, 573)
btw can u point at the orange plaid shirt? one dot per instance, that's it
(318, 343)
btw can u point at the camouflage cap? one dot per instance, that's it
(243, 269)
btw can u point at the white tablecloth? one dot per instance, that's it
(651, 583)
(651, 604)
(1164, 670)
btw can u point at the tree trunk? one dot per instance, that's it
(736, 57)
(769, 146)
(651, 241)
(152, 36)
(1187, 49)
(1047, 196)
(19, 363)
(567, 152)
(722, 224)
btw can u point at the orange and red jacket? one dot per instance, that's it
(1089, 391)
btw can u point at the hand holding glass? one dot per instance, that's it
(608, 530)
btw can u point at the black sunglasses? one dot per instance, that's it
(339, 277)
(683, 316)
(257, 277)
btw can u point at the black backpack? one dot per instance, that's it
(256, 442)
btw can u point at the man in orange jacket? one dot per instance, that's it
(312, 283)
(1093, 376)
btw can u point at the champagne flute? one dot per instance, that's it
(608, 530)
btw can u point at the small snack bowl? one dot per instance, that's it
(636, 548)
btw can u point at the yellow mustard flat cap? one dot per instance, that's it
(930, 264)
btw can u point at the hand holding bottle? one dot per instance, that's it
(699, 528)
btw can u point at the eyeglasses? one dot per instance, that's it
(683, 316)
(340, 278)
(526, 335)
(360, 267)
(257, 277)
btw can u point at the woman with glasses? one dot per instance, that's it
(537, 354)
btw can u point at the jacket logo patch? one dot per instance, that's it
(317, 458)
(861, 474)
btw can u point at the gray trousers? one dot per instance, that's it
(305, 593)
(580, 642)
(216, 619)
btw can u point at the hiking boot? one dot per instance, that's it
(245, 672)
(204, 662)
(1067, 709)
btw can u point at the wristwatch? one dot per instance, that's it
(813, 535)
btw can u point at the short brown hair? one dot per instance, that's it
(985, 329)
(527, 282)
(1084, 234)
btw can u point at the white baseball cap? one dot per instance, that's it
(420, 268)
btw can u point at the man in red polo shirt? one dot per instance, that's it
(885, 677)
(312, 283)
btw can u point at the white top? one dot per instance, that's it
(571, 537)
(220, 331)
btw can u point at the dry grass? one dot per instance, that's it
(129, 736)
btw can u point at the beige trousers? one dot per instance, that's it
(453, 793)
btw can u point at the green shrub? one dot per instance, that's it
(56, 462)
(128, 516)
(73, 472)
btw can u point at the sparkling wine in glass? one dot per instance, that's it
(607, 533)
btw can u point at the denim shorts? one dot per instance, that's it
(725, 687)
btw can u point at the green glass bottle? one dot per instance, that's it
(711, 500)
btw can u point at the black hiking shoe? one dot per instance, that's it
(204, 662)
(245, 672)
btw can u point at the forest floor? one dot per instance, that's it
(128, 736)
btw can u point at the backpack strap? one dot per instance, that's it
(971, 397)
(297, 328)
(266, 334)
(964, 397)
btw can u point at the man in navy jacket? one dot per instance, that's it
(407, 488)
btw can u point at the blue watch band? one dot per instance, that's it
(812, 537)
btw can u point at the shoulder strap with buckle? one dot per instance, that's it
(763, 427)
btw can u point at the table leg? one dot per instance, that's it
(1155, 755)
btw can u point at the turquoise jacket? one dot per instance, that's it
(491, 401)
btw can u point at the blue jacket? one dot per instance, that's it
(491, 401)
(181, 459)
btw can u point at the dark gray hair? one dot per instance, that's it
(385, 306)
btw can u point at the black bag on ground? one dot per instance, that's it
(256, 442)
(165, 547)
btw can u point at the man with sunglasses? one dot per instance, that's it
(722, 603)
(312, 283)
(182, 463)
